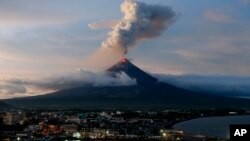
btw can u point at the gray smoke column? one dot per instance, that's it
(140, 21)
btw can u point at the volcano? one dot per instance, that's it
(148, 93)
(141, 77)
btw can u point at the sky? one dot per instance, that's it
(44, 41)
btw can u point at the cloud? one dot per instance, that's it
(186, 54)
(217, 16)
(10, 88)
(77, 79)
(103, 24)
(224, 54)
(67, 80)
(231, 86)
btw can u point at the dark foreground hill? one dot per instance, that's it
(4, 106)
(147, 94)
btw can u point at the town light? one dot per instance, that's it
(77, 135)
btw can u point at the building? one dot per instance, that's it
(14, 118)
(69, 128)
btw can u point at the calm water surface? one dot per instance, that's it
(212, 126)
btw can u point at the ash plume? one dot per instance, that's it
(141, 21)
